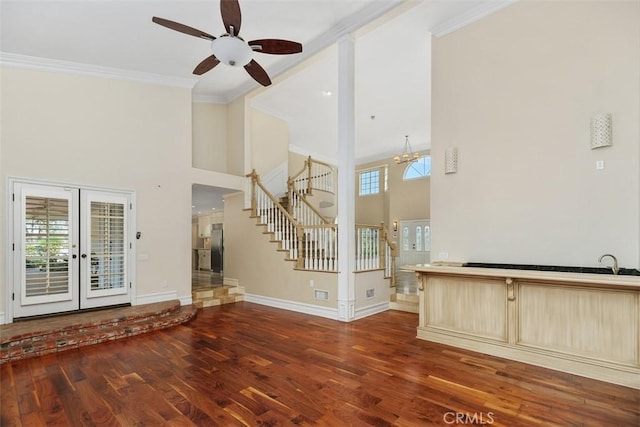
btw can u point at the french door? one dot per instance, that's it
(71, 248)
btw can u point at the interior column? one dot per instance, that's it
(346, 180)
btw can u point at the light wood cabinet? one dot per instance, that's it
(204, 226)
(585, 324)
(204, 259)
(205, 222)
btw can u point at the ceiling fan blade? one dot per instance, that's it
(176, 26)
(258, 73)
(206, 65)
(231, 16)
(276, 46)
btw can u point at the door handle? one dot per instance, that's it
(74, 256)
(83, 255)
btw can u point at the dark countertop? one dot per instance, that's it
(565, 269)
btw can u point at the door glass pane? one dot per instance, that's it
(46, 246)
(418, 238)
(427, 238)
(405, 238)
(107, 245)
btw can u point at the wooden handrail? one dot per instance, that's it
(320, 226)
(309, 205)
(307, 169)
(256, 180)
(304, 169)
(383, 246)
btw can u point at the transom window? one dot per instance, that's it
(369, 182)
(421, 168)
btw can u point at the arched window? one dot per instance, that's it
(421, 168)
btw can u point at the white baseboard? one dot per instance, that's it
(2, 318)
(314, 310)
(371, 310)
(186, 300)
(159, 297)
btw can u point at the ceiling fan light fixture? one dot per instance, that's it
(232, 51)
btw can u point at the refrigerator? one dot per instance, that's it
(217, 248)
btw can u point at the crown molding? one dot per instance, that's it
(204, 98)
(260, 107)
(59, 66)
(469, 16)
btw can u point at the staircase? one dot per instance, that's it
(310, 239)
(37, 337)
(217, 296)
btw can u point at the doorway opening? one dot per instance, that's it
(207, 237)
(414, 248)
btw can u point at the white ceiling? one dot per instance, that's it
(116, 38)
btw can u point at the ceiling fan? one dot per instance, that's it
(230, 48)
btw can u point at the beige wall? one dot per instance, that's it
(515, 92)
(261, 269)
(236, 136)
(108, 133)
(269, 141)
(404, 200)
(209, 126)
(296, 163)
(372, 208)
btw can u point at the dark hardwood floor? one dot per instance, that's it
(246, 364)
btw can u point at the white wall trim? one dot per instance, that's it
(208, 99)
(157, 297)
(2, 318)
(186, 300)
(314, 310)
(275, 181)
(56, 65)
(257, 104)
(363, 312)
(469, 16)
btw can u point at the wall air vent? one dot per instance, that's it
(321, 295)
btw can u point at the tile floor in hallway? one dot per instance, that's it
(205, 280)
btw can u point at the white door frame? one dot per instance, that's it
(11, 275)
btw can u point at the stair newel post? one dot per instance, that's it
(309, 177)
(382, 246)
(393, 264)
(300, 236)
(254, 181)
(290, 193)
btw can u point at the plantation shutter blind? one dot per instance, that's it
(46, 246)
(107, 245)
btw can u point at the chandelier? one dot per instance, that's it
(407, 155)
